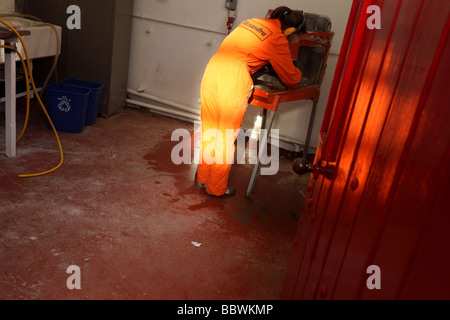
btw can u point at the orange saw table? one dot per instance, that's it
(310, 53)
(269, 100)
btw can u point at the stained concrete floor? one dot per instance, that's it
(137, 225)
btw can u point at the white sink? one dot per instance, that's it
(42, 42)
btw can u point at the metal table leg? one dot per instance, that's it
(10, 97)
(262, 150)
(310, 127)
(264, 118)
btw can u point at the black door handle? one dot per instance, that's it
(302, 166)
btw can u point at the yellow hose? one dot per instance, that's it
(39, 100)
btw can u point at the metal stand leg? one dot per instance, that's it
(262, 150)
(310, 127)
(10, 97)
(264, 117)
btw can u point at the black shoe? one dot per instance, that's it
(230, 191)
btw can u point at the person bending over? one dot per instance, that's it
(227, 87)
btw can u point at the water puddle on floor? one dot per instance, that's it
(160, 160)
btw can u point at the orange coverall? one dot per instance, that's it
(227, 87)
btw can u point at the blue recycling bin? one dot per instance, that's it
(67, 106)
(94, 97)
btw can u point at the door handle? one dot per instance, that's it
(302, 166)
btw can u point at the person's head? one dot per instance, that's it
(289, 18)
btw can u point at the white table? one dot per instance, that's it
(10, 39)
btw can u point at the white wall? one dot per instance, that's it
(173, 40)
(6, 6)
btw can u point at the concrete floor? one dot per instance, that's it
(121, 211)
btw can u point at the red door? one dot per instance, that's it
(385, 143)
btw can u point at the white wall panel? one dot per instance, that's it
(173, 40)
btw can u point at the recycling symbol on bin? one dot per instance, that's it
(64, 104)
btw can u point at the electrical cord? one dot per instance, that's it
(28, 74)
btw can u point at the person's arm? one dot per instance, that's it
(281, 62)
